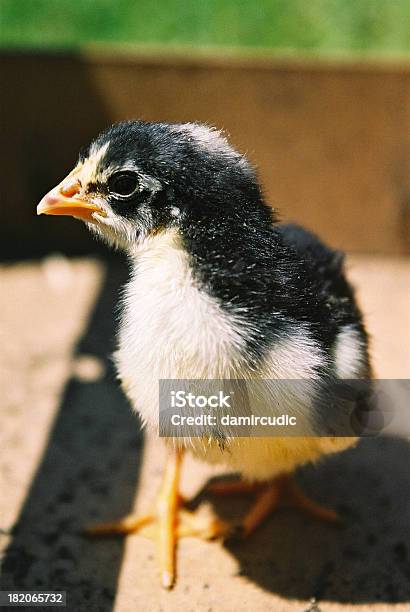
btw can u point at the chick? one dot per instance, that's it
(218, 290)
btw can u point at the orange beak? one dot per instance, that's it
(63, 200)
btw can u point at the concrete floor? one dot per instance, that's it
(72, 453)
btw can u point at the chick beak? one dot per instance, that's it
(64, 200)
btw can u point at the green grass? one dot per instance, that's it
(324, 26)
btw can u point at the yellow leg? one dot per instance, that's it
(202, 525)
(164, 516)
(284, 490)
(167, 522)
(297, 499)
(281, 491)
(234, 487)
(266, 501)
(128, 524)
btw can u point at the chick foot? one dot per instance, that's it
(166, 523)
(283, 491)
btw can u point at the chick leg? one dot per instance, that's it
(234, 487)
(167, 508)
(167, 522)
(125, 525)
(284, 491)
(164, 516)
(297, 499)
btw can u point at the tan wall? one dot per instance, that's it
(332, 141)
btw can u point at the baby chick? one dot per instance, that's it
(218, 290)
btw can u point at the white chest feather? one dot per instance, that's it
(171, 329)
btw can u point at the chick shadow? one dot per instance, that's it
(89, 472)
(365, 560)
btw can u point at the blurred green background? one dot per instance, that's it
(315, 26)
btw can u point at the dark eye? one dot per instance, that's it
(123, 184)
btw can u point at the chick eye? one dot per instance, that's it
(123, 184)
